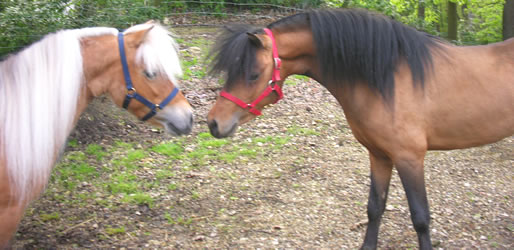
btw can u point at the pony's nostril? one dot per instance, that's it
(213, 127)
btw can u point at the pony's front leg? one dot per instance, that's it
(11, 211)
(10, 216)
(381, 168)
(413, 180)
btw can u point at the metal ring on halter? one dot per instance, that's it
(278, 62)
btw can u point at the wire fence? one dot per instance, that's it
(24, 22)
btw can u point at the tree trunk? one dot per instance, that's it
(421, 10)
(508, 19)
(452, 21)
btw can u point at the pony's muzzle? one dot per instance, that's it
(218, 132)
(176, 120)
(180, 128)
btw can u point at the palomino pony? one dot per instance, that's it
(45, 87)
(403, 92)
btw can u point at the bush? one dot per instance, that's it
(23, 22)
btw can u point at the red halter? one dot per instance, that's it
(272, 86)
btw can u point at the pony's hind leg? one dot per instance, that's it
(381, 168)
(413, 181)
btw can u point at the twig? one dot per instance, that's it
(75, 226)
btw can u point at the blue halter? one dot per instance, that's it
(132, 91)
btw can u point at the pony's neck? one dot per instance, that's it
(98, 76)
(297, 50)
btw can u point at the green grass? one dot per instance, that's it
(200, 153)
(169, 149)
(123, 145)
(179, 221)
(136, 155)
(114, 230)
(139, 199)
(49, 217)
(123, 183)
(248, 152)
(172, 187)
(293, 81)
(76, 156)
(289, 82)
(295, 130)
(195, 195)
(96, 150)
(163, 174)
(71, 173)
(215, 143)
(301, 77)
(192, 69)
(73, 143)
(228, 157)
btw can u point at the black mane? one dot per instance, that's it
(234, 53)
(355, 45)
(352, 46)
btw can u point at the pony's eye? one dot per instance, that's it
(254, 76)
(150, 75)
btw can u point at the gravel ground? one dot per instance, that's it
(309, 193)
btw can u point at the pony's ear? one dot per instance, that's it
(150, 22)
(254, 39)
(138, 37)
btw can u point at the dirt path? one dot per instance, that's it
(294, 178)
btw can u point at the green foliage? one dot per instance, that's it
(484, 22)
(24, 22)
(480, 21)
(19, 20)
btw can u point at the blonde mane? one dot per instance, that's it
(156, 53)
(39, 91)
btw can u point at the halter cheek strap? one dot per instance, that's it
(272, 85)
(132, 94)
(278, 63)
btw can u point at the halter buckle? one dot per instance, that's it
(278, 63)
(132, 91)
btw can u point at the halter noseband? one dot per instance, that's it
(132, 91)
(272, 85)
